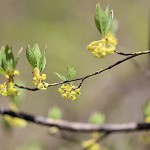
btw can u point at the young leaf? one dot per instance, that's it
(71, 72)
(17, 58)
(107, 11)
(100, 19)
(7, 58)
(37, 53)
(109, 22)
(31, 57)
(10, 57)
(61, 76)
(42, 63)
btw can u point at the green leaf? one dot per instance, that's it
(17, 58)
(71, 72)
(61, 76)
(109, 22)
(97, 118)
(42, 63)
(7, 58)
(37, 53)
(10, 57)
(55, 113)
(100, 19)
(103, 19)
(31, 57)
(107, 11)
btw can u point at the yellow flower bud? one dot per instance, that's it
(68, 91)
(39, 80)
(103, 47)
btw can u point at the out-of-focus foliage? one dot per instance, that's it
(97, 118)
(55, 113)
(35, 146)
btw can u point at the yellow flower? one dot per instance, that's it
(11, 73)
(103, 47)
(147, 119)
(68, 91)
(8, 89)
(38, 79)
(16, 122)
(90, 145)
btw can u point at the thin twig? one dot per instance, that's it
(129, 54)
(26, 88)
(92, 74)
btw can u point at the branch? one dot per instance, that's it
(129, 54)
(82, 79)
(77, 126)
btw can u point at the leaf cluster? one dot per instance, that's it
(103, 19)
(35, 58)
(7, 60)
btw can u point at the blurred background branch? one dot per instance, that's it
(77, 126)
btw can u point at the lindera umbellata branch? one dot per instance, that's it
(82, 79)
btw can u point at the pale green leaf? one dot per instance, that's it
(17, 58)
(7, 58)
(107, 11)
(42, 62)
(31, 57)
(100, 19)
(10, 57)
(109, 23)
(71, 72)
(37, 53)
(61, 76)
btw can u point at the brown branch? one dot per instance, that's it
(135, 53)
(77, 126)
(82, 79)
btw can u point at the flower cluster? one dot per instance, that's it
(8, 89)
(68, 91)
(91, 145)
(38, 79)
(103, 47)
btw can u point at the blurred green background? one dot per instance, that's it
(66, 27)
